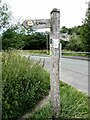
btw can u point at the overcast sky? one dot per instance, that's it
(72, 11)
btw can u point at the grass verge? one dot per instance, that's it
(73, 53)
(25, 83)
(73, 104)
(34, 52)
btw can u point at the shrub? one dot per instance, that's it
(24, 84)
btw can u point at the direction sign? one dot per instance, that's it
(64, 36)
(37, 23)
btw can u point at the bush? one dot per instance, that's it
(24, 84)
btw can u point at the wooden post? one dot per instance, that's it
(60, 61)
(47, 42)
(55, 58)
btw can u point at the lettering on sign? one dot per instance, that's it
(41, 23)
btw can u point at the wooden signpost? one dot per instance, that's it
(54, 24)
(37, 23)
(55, 60)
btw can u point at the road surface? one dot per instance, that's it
(73, 71)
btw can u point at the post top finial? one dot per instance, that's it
(55, 10)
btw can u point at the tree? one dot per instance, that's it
(15, 38)
(35, 41)
(64, 29)
(85, 30)
(75, 43)
(12, 40)
(5, 14)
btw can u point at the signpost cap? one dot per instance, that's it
(55, 10)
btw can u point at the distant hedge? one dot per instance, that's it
(13, 40)
(24, 84)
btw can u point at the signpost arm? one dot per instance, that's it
(55, 59)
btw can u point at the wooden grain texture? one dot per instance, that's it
(55, 58)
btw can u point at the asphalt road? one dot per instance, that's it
(73, 71)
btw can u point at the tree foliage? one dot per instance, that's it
(75, 43)
(35, 41)
(85, 30)
(79, 35)
(5, 15)
(14, 38)
(75, 40)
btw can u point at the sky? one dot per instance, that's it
(72, 12)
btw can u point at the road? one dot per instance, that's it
(73, 71)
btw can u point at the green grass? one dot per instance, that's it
(73, 104)
(25, 83)
(0, 81)
(34, 52)
(75, 54)
(72, 53)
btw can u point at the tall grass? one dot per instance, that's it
(24, 84)
(0, 85)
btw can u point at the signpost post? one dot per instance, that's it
(54, 24)
(55, 60)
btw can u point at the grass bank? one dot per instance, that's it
(73, 104)
(25, 83)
